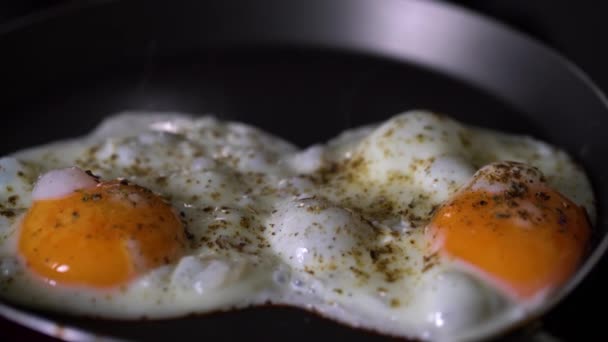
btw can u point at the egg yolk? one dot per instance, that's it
(100, 237)
(524, 239)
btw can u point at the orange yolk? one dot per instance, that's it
(523, 243)
(100, 237)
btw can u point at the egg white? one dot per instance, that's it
(335, 228)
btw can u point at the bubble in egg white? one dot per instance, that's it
(427, 136)
(444, 176)
(59, 183)
(133, 123)
(308, 160)
(192, 273)
(453, 300)
(316, 236)
(485, 178)
(208, 185)
(202, 163)
(297, 186)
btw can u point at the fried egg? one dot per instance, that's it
(420, 226)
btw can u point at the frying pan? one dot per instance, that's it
(304, 70)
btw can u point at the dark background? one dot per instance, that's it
(578, 31)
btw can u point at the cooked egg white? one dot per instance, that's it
(358, 229)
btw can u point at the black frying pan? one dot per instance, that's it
(303, 70)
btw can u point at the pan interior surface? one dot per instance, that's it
(305, 89)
